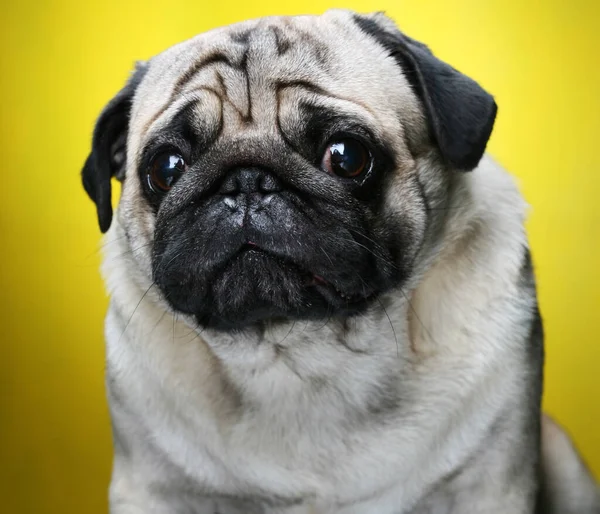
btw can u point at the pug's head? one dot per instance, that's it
(285, 168)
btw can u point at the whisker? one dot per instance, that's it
(364, 236)
(174, 316)
(371, 251)
(289, 332)
(391, 325)
(131, 251)
(414, 311)
(158, 322)
(104, 245)
(107, 243)
(327, 255)
(134, 311)
(329, 313)
(193, 331)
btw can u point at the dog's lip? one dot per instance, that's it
(311, 279)
(319, 280)
(314, 280)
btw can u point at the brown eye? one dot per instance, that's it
(164, 171)
(346, 158)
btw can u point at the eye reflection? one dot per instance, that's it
(165, 170)
(347, 158)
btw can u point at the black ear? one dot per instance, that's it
(460, 114)
(108, 157)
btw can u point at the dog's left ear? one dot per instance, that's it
(460, 114)
(108, 157)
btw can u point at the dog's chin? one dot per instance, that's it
(255, 287)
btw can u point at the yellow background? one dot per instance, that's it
(62, 61)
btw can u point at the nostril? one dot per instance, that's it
(269, 184)
(230, 186)
(249, 181)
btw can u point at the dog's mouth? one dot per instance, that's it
(257, 284)
(260, 281)
(309, 279)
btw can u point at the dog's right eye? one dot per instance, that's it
(165, 169)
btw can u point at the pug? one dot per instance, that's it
(321, 291)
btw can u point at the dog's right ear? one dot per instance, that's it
(108, 157)
(460, 113)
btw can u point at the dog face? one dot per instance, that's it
(285, 168)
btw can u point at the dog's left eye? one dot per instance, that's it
(165, 170)
(347, 158)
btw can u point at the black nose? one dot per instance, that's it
(249, 180)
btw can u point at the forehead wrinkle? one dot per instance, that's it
(196, 67)
(184, 99)
(320, 92)
(214, 58)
